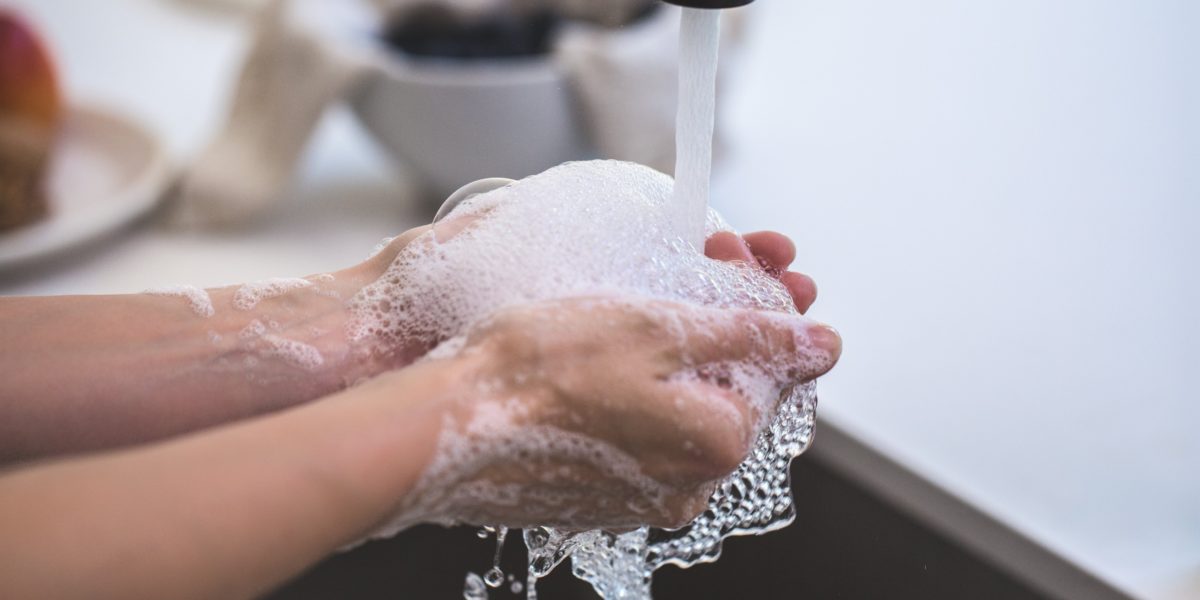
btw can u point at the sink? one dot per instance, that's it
(847, 542)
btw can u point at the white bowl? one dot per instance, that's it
(453, 121)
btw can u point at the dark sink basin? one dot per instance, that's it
(846, 543)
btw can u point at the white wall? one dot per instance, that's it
(999, 201)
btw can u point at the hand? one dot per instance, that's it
(601, 412)
(766, 250)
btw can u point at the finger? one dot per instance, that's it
(774, 249)
(718, 424)
(728, 247)
(802, 288)
(800, 347)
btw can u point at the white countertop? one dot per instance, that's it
(999, 200)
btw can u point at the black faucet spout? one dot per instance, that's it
(709, 3)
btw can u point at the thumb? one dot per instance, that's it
(795, 346)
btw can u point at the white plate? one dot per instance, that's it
(106, 172)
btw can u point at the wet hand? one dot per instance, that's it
(605, 412)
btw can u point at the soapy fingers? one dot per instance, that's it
(804, 349)
(773, 252)
(773, 249)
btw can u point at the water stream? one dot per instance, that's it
(756, 498)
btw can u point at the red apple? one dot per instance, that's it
(30, 106)
(28, 82)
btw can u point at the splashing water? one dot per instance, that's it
(755, 499)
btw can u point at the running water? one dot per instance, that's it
(628, 230)
(699, 45)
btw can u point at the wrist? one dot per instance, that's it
(294, 334)
(290, 345)
(384, 434)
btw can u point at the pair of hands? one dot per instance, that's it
(580, 413)
(589, 412)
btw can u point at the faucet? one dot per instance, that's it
(709, 3)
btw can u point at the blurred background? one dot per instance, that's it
(1000, 202)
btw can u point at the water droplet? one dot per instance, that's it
(494, 577)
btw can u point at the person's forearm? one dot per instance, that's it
(227, 513)
(90, 372)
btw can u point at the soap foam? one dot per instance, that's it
(293, 352)
(603, 230)
(580, 229)
(257, 338)
(249, 295)
(199, 299)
